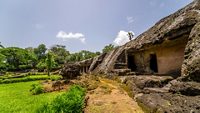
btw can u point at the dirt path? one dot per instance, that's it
(109, 97)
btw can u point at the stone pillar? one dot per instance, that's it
(85, 69)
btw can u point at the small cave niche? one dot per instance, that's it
(153, 63)
(131, 63)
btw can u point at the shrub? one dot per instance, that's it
(24, 67)
(55, 77)
(69, 102)
(41, 66)
(36, 89)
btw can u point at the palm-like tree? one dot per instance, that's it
(130, 35)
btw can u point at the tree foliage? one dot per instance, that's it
(50, 63)
(17, 59)
(14, 57)
(82, 55)
(2, 62)
(108, 48)
(40, 51)
(60, 53)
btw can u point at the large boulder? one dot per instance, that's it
(169, 103)
(139, 84)
(70, 71)
(143, 81)
(185, 88)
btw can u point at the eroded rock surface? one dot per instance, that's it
(169, 103)
(165, 95)
(191, 66)
(70, 71)
(186, 88)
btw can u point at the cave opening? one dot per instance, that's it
(131, 63)
(153, 63)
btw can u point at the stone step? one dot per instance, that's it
(122, 72)
(120, 65)
(132, 73)
(124, 64)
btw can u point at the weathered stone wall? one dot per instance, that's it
(170, 56)
(191, 66)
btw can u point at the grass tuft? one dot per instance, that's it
(36, 89)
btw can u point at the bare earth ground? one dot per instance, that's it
(109, 97)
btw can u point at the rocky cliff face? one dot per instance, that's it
(191, 66)
(183, 22)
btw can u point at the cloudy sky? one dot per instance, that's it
(79, 24)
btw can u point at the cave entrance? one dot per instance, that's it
(131, 63)
(153, 63)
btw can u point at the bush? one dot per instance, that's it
(41, 66)
(24, 67)
(69, 102)
(55, 77)
(36, 89)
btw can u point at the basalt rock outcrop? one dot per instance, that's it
(70, 71)
(178, 32)
(168, 58)
(191, 66)
(165, 95)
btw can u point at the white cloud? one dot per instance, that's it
(130, 20)
(66, 36)
(122, 38)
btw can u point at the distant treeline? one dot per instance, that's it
(20, 59)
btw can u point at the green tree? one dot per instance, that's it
(82, 55)
(15, 57)
(40, 51)
(130, 35)
(32, 57)
(49, 62)
(2, 62)
(108, 48)
(60, 53)
(41, 65)
(98, 53)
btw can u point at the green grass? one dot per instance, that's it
(30, 78)
(16, 98)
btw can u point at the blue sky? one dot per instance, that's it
(78, 24)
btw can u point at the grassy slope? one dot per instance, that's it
(16, 98)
